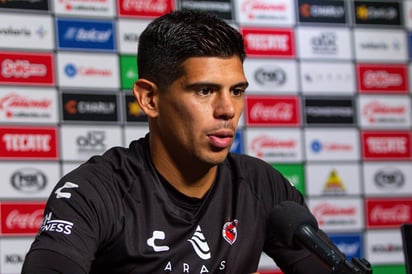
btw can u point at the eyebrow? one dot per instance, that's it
(214, 85)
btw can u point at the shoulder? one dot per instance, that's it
(262, 179)
(116, 169)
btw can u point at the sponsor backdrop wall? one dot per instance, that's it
(329, 105)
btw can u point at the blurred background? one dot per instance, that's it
(329, 105)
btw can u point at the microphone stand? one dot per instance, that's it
(356, 266)
(329, 255)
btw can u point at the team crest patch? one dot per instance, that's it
(229, 231)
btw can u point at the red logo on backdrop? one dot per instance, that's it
(28, 143)
(382, 78)
(26, 69)
(378, 108)
(272, 111)
(269, 42)
(11, 102)
(21, 218)
(388, 213)
(144, 8)
(325, 212)
(384, 145)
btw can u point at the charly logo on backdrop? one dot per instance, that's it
(89, 107)
(325, 11)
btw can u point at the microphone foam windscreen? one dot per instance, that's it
(286, 218)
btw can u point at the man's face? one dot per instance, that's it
(198, 114)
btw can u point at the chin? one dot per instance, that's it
(217, 158)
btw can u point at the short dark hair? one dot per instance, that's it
(172, 38)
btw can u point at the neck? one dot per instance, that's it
(189, 178)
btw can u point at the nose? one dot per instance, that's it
(225, 106)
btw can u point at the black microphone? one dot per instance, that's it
(294, 226)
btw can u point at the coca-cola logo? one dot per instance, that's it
(28, 180)
(24, 221)
(389, 178)
(390, 215)
(277, 112)
(270, 75)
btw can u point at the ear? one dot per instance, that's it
(146, 94)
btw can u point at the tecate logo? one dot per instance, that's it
(28, 180)
(27, 142)
(267, 42)
(385, 145)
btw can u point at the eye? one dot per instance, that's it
(204, 91)
(238, 91)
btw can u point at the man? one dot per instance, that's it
(175, 201)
